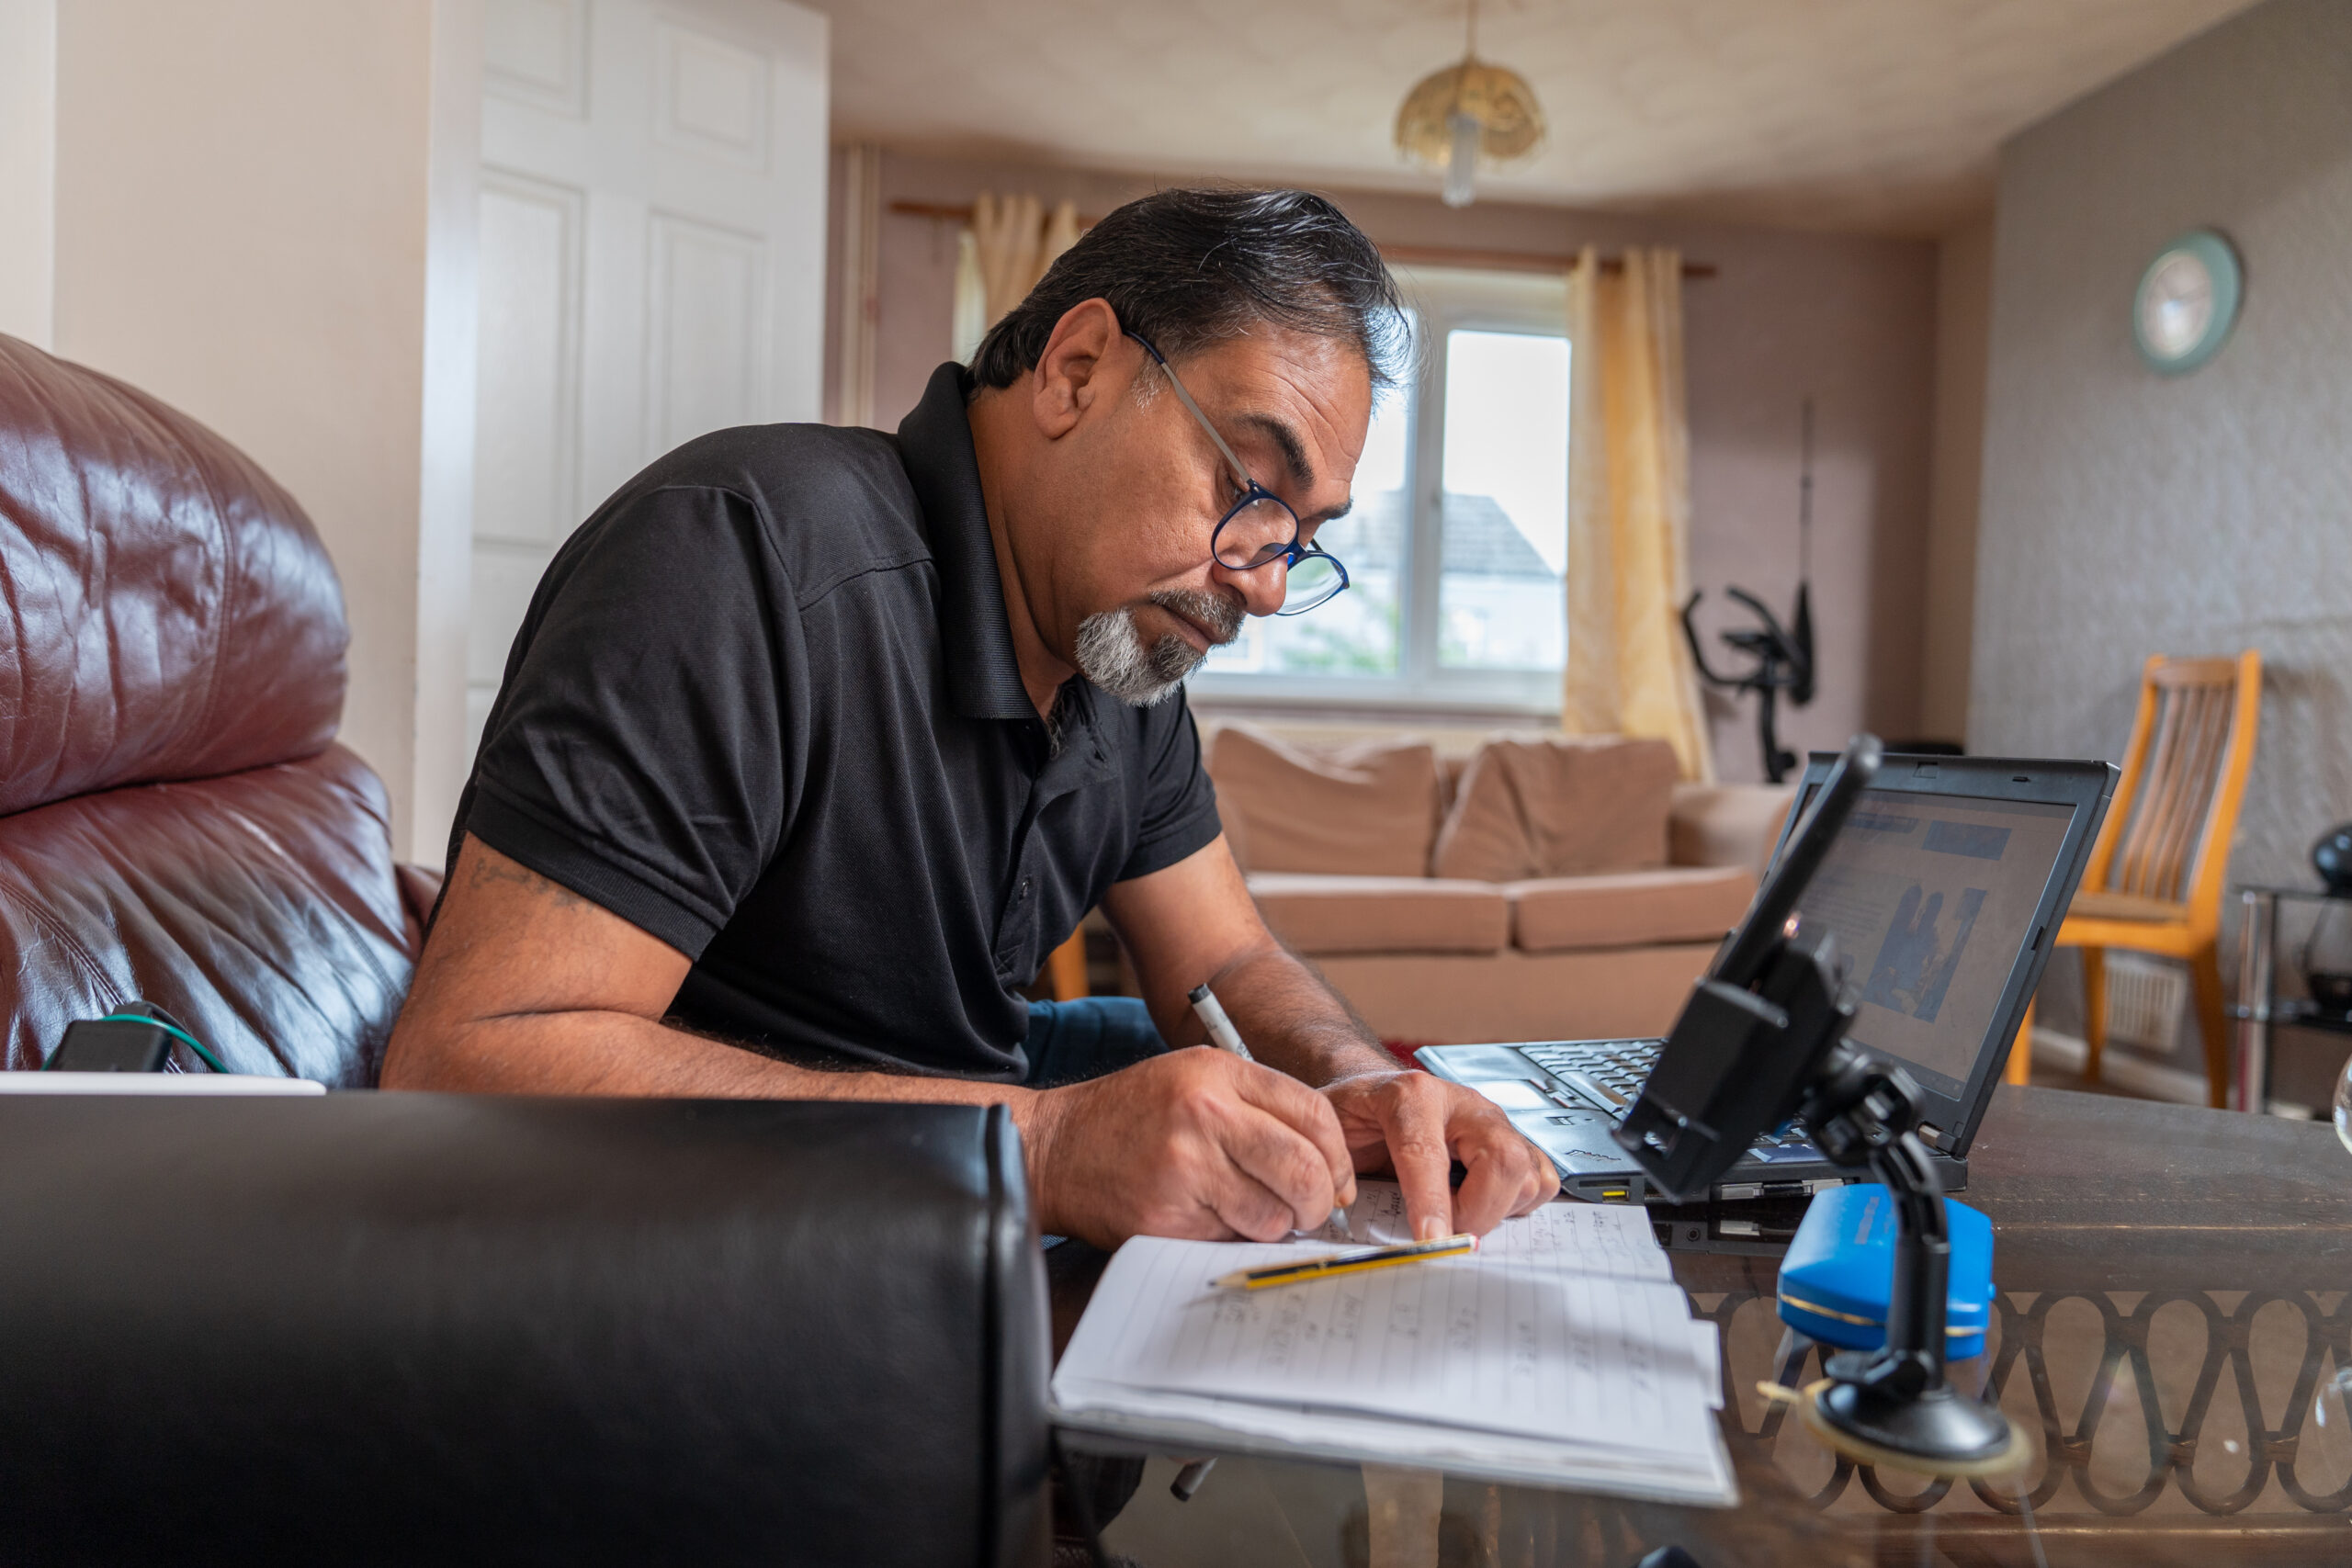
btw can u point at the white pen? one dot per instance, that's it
(1220, 1028)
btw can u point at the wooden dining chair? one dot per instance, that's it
(2153, 883)
(1066, 968)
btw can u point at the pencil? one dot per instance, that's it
(1338, 1263)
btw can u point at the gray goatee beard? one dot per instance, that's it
(1112, 654)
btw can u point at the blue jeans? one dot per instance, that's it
(1070, 1042)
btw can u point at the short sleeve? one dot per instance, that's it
(637, 751)
(1179, 817)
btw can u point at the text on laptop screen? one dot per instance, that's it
(1930, 898)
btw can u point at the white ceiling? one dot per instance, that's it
(1864, 115)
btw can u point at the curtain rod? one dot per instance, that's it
(1515, 260)
(1422, 255)
(958, 214)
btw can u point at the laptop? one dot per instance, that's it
(1943, 888)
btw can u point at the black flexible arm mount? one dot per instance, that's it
(1863, 1110)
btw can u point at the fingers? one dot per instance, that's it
(1508, 1175)
(1487, 1194)
(1423, 1125)
(1543, 1181)
(1396, 1122)
(1308, 1113)
(1501, 1185)
(1415, 1126)
(1274, 1180)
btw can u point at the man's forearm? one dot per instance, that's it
(1291, 1020)
(619, 1053)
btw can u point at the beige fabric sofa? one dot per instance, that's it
(1339, 846)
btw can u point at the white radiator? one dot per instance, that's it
(2146, 997)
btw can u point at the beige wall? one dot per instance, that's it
(264, 216)
(1963, 323)
(1849, 320)
(28, 169)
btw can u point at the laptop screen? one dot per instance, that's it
(1932, 898)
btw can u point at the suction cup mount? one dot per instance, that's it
(1895, 1405)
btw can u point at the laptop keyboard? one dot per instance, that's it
(1610, 1073)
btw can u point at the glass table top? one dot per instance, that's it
(2174, 1320)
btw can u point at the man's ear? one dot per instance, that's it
(1080, 362)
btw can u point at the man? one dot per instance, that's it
(814, 742)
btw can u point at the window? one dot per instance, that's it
(1457, 545)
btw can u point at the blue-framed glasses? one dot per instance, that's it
(1260, 528)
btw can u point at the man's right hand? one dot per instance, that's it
(1195, 1143)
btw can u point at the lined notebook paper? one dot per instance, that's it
(1560, 1352)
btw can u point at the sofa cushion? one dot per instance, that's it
(1368, 809)
(1557, 805)
(1628, 909)
(259, 909)
(1382, 914)
(1727, 824)
(1431, 999)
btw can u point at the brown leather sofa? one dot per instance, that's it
(176, 822)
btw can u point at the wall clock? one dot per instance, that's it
(2188, 302)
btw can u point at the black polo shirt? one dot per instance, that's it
(764, 707)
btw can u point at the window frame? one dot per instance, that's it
(1443, 301)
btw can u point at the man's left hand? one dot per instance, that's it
(1417, 1126)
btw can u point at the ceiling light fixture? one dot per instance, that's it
(1454, 117)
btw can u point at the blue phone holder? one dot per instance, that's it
(1839, 1272)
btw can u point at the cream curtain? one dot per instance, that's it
(1011, 243)
(1629, 510)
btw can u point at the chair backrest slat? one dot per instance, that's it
(2183, 749)
(2204, 735)
(2155, 799)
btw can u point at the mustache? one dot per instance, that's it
(1221, 615)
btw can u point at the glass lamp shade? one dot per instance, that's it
(1502, 121)
(1461, 160)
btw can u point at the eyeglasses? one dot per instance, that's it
(1260, 528)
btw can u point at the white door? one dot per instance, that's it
(651, 264)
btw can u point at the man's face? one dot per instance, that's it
(1129, 503)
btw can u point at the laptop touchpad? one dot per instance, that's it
(1512, 1095)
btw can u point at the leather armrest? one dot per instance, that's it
(408, 1327)
(420, 892)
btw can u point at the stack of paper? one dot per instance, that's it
(1560, 1353)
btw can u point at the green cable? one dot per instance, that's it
(192, 1042)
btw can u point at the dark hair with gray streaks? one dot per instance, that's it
(1188, 268)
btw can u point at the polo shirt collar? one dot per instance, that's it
(935, 445)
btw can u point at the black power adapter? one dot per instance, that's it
(135, 1038)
